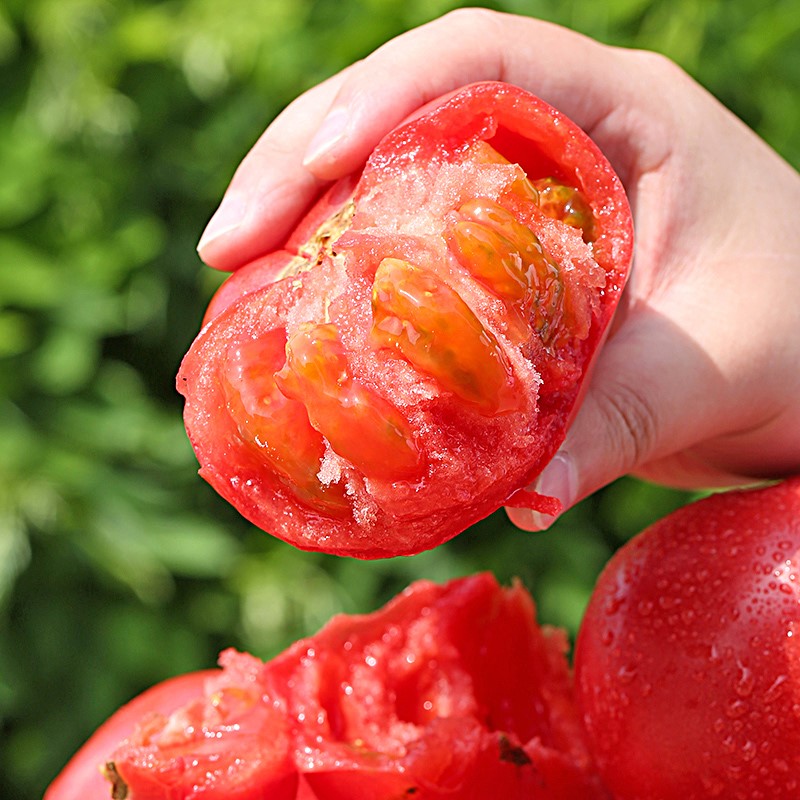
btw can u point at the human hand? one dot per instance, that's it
(699, 381)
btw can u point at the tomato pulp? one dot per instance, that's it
(449, 692)
(688, 658)
(409, 361)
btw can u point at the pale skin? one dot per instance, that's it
(698, 384)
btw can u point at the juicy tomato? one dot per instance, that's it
(230, 742)
(205, 736)
(437, 314)
(449, 692)
(688, 659)
(82, 778)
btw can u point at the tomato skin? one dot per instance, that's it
(482, 357)
(81, 778)
(688, 658)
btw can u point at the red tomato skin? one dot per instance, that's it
(473, 462)
(81, 778)
(688, 658)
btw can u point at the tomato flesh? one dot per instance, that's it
(228, 743)
(82, 778)
(449, 692)
(566, 203)
(277, 425)
(427, 321)
(360, 425)
(439, 309)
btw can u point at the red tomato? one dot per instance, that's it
(688, 659)
(204, 736)
(82, 778)
(448, 692)
(408, 362)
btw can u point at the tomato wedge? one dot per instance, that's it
(82, 778)
(438, 313)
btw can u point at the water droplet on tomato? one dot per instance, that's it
(645, 607)
(745, 682)
(774, 691)
(749, 750)
(626, 674)
(614, 603)
(736, 709)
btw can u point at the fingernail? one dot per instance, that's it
(228, 217)
(559, 479)
(328, 134)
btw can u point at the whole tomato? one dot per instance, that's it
(688, 659)
(408, 361)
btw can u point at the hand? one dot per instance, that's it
(699, 382)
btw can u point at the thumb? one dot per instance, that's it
(653, 394)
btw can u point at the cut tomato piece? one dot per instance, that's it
(229, 743)
(440, 311)
(449, 692)
(82, 778)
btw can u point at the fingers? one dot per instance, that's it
(578, 75)
(654, 392)
(329, 131)
(271, 188)
(688, 402)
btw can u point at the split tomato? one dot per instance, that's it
(688, 658)
(82, 778)
(408, 362)
(448, 692)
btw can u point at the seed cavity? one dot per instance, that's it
(359, 424)
(425, 320)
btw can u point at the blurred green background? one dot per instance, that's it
(120, 125)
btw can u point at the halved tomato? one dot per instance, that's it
(436, 316)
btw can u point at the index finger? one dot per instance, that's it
(330, 131)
